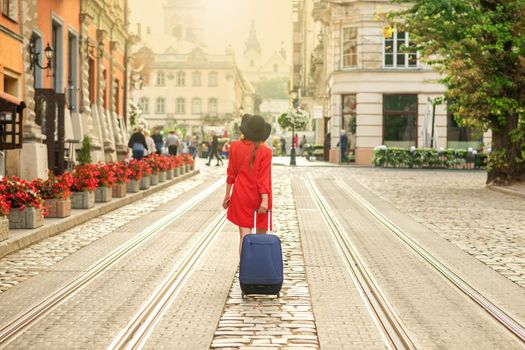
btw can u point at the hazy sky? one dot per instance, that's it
(228, 22)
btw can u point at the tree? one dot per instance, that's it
(84, 153)
(479, 47)
(293, 118)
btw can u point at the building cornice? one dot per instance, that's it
(12, 34)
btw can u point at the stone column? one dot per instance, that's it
(109, 147)
(33, 156)
(88, 124)
(115, 118)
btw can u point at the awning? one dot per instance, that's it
(12, 99)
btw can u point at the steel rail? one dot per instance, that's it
(388, 323)
(16, 326)
(512, 325)
(142, 325)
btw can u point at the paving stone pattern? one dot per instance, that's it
(28, 262)
(266, 322)
(458, 206)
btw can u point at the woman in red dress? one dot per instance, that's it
(250, 175)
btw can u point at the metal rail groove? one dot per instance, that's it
(15, 327)
(512, 325)
(139, 329)
(391, 329)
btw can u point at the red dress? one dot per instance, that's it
(249, 183)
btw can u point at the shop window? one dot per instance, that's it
(400, 120)
(349, 58)
(462, 137)
(399, 51)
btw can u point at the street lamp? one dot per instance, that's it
(34, 57)
(295, 106)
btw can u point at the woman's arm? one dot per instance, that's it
(231, 174)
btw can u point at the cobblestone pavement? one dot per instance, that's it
(28, 262)
(457, 206)
(268, 322)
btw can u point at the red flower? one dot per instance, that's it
(16, 193)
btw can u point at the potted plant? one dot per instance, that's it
(189, 162)
(145, 182)
(27, 207)
(55, 191)
(135, 176)
(154, 163)
(176, 165)
(122, 173)
(106, 179)
(164, 166)
(84, 185)
(4, 221)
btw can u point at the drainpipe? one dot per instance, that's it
(126, 59)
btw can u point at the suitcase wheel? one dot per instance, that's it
(243, 295)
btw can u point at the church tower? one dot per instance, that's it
(183, 20)
(252, 51)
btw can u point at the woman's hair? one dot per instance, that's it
(256, 145)
(146, 133)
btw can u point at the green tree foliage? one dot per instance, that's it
(479, 47)
(272, 88)
(84, 153)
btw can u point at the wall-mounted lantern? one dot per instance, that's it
(34, 58)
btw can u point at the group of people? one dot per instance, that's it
(301, 146)
(142, 143)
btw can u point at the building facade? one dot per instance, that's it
(368, 81)
(193, 91)
(68, 61)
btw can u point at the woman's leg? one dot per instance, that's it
(243, 231)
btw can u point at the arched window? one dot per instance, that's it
(196, 78)
(161, 78)
(160, 106)
(213, 106)
(180, 106)
(213, 79)
(181, 79)
(196, 106)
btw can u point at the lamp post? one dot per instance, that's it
(295, 105)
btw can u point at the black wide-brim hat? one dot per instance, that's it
(255, 128)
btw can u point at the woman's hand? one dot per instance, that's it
(264, 204)
(226, 202)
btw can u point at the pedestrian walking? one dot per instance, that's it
(157, 138)
(283, 146)
(302, 144)
(250, 176)
(343, 144)
(214, 150)
(296, 141)
(151, 149)
(172, 143)
(137, 143)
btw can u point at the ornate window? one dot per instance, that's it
(399, 52)
(349, 59)
(180, 106)
(196, 106)
(196, 78)
(161, 105)
(144, 105)
(213, 106)
(213, 79)
(181, 79)
(161, 78)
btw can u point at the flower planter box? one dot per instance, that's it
(192, 166)
(145, 182)
(58, 208)
(27, 218)
(83, 200)
(170, 174)
(186, 168)
(119, 190)
(103, 195)
(4, 228)
(133, 186)
(154, 179)
(182, 170)
(162, 176)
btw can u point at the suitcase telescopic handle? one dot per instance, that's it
(254, 229)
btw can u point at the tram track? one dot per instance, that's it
(143, 323)
(389, 325)
(498, 314)
(19, 324)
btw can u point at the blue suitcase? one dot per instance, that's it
(261, 270)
